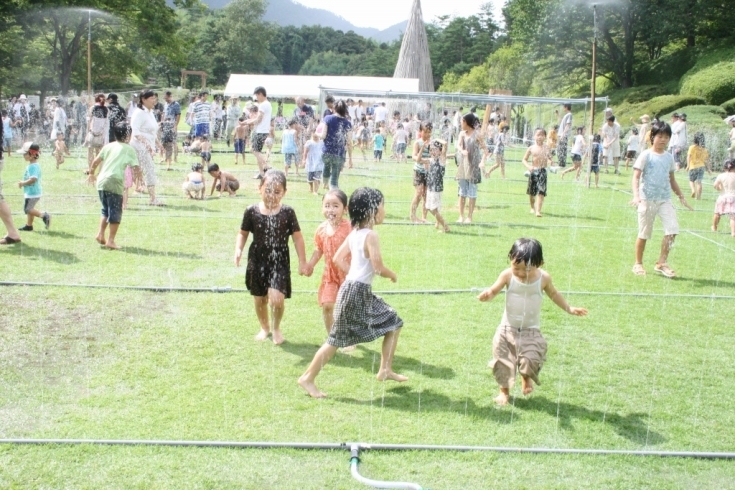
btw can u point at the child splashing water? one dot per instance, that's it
(268, 275)
(540, 157)
(328, 238)
(725, 183)
(518, 343)
(359, 315)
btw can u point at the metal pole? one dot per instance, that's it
(89, 54)
(592, 90)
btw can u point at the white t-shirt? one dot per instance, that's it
(351, 111)
(359, 112)
(676, 130)
(563, 129)
(381, 113)
(609, 133)
(578, 145)
(633, 142)
(265, 124)
(143, 123)
(401, 136)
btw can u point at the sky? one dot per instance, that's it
(385, 13)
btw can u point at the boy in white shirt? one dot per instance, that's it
(633, 145)
(577, 152)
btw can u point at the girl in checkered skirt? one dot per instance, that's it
(359, 315)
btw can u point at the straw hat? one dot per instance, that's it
(645, 118)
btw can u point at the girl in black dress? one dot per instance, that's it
(268, 275)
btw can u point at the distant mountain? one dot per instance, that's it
(289, 13)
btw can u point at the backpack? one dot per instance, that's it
(98, 129)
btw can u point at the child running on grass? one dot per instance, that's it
(518, 344)
(268, 273)
(595, 157)
(359, 315)
(725, 183)
(578, 149)
(435, 182)
(634, 141)
(31, 185)
(501, 139)
(313, 150)
(653, 181)
(288, 146)
(697, 163)
(60, 149)
(114, 159)
(328, 239)
(540, 157)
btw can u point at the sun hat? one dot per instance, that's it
(29, 147)
(645, 118)
(22, 97)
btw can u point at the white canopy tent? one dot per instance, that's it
(278, 86)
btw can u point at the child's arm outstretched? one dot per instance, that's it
(502, 281)
(373, 249)
(242, 238)
(558, 299)
(298, 241)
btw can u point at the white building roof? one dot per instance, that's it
(308, 86)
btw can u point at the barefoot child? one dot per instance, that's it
(268, 274)
(313, 150)
(223, 181)
(653, 181)
(242, 131)
(288, 146)
(577, 151)
(697, 163)
(195, 183)
(725, 183)
(31, 185)
(518, 343)
(205, 150)
(114, 159)
(60, 149)
(540, 158)
(421, 160)
(595, 157)
(435, 182)
(359, 315)
(634, 141)
(470, 148)
(499, 143)
(328, 238)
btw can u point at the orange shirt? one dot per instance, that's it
(328, 245)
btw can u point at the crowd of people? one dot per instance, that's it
(122, 144)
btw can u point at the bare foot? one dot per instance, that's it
(262, 335)
(347, 350)
(468, 221)
(460, 219)
(527, 385)
(100, 239)
(714, 228)
(112, 246)
(502, 399)
(278, 337)
(538, 215)
(446, 228)
(311, 388)
(386, 375)
(533, 211)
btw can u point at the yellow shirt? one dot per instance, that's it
(696, 157)
(648, 138)
(553, 137)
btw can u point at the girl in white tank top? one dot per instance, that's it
(359, 315)
(518, 344)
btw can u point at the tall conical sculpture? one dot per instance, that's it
(414, 60)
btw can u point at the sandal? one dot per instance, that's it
(665, 270)
(638, 270)
(9, 241)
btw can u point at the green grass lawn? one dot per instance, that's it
(650, 368)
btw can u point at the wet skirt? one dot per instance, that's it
(360, 316)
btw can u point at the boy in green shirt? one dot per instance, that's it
(114, 158)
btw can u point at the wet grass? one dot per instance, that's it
(648, 369)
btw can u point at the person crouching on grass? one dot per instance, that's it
(653, 181)
(114, 158)
(518, 343)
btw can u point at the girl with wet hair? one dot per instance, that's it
(518, 345)
(268, 273)
(359, 315)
